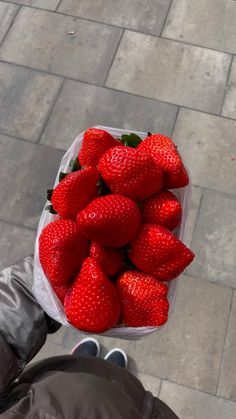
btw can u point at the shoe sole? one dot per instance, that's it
(88, 340)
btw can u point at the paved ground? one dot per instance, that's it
(156, 65)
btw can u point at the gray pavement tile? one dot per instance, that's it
(188, 349)
(26, 98)
(227, 383)
(41, 40)
(142, 15)
(208, 145)
(192, 215)
(209, 23)
(15, 243)
(149, 382)
(58, 337)
(170, 71)
(192, 404)
(27, 170)
(214, 240)
(44, 4)
(100, 106)
(50, 349)
(229, 107)
(7, 14)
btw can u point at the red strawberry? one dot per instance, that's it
(110, 260)
(163, 209)
(62, 249)
(143, 299)
(130, 172)
(75, 192)
(92, 304)
(95, 143)
(165, 153)
(61, 291)
(111, 220)
(158, 252)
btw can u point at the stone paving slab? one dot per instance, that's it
(44, 4)
(192, 404)
(7, 14)
(203, 22)
(227, 383)
(102, 106)
(15, 243)
(27, 170)
(86, 55)
(189, 349)
(26, 97)
(149, 382)
(208, 145)
(142, 15)
(229, 108)
(170, 71)
(214, 240)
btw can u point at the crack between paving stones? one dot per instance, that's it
(225, 340)
(13, 20)
(226, 85)
(165, 20)
(50, 111)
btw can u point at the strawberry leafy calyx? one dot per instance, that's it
(129, 265)
(131, 140)
(50, 209)
(102, 187)
(74, 167)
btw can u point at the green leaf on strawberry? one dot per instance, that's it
(131, 140)
(102, 187)
(50, 209)
(74, 165)
(62, 175)
(49, 194)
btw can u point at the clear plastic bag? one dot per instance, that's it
(41, 286)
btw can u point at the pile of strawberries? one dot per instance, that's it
(110, 251)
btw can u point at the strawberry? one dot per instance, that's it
(75, 192)
(158, 252)
(111, 220)
(92, 304)
(165, 153)
(95, 143)
(163, 209)
(61, 291)
(110, 260)
(62, 249)
(143, 299)
(130, 172)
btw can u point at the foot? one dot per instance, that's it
(87, 347)
(118, 357)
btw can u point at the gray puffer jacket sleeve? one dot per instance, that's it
(23, 324)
